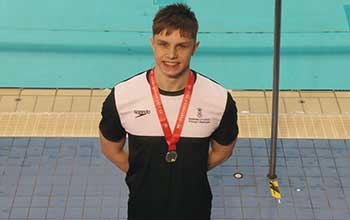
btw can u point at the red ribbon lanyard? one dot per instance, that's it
(171, 138)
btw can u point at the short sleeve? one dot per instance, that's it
(227, 130)
(110, 125)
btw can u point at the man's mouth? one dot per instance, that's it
(170, 63)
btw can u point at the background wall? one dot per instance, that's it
(94, 43)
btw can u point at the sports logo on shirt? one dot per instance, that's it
(199, 112)
(140, 113)
(199, 117)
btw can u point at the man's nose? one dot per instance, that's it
(172, 53)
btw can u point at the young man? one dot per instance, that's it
(179, 123)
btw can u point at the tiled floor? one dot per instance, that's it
(76, 113)
(68, 178)
(51, 166)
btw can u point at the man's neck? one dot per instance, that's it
(172, 84)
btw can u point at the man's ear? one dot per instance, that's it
(196, 45)
(152, 42)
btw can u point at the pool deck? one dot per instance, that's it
(76, 113)
(51, 166)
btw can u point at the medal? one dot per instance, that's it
(171, 157)
(171, 137)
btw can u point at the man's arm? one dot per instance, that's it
(219, 153)
(114, 151)
(224, 138)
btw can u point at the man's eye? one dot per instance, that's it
(162, 44)
(183, 46)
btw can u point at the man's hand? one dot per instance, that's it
(115, 152)
(218, 153)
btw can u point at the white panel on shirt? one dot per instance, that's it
(139, 117)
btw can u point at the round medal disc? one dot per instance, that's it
(171, 157)
(238, 175)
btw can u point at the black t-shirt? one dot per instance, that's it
(159, 190)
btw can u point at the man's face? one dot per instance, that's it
(172, 53)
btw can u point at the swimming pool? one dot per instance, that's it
(65, 44)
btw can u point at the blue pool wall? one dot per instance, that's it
(94, 44)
